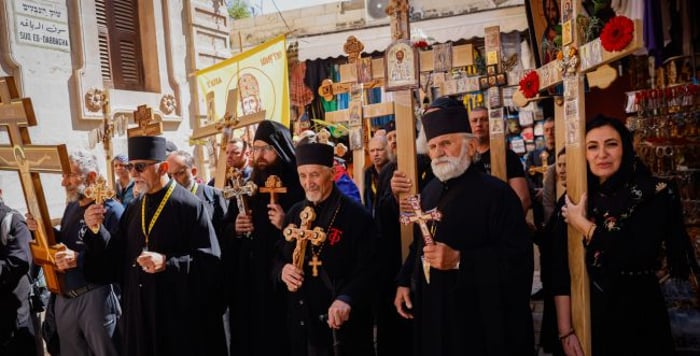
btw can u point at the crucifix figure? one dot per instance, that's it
(421, 218)
(147, 125)
(225, 126)
(273, 185)
(543, 168)
(99, 192)
(303, 235)
(239, 190)
(16, 115)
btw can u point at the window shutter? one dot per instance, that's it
(124, 44)
(103, 43)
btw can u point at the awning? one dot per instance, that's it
(442, 29)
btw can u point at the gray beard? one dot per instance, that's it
(453, 166)
(78, 195)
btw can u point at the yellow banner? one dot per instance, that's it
(260, 74)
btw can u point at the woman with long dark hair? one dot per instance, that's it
(627, 219)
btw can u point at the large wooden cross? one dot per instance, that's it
(405, 120)
(303, 235)
(16, 115)
(147, 124)
(497, 140)
(225, 127)
(421, 218)
(577, 60)
(273, 186)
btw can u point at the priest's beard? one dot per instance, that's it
(76, 194)
(262, 171)
(446, 168)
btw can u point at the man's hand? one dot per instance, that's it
(151, 262)
(244, 223)
(31, 222)
(276, 215)
(338, 313)
(94, 215)
(403, 297)
(292, 277)
(66, 259)
(400, 183)
(441, 256)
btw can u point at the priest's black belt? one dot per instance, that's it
(74, 293)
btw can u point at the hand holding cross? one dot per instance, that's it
(239, 190)
(304, 234)
(99, 192)
(421, 218)
(542, 169)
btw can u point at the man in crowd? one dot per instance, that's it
(480, 266)
(330, 297)
(86, 313)
(238, 158)
(165, 256)
(16, 327)
(479, 122)
(378, 152)
(534, 179)
(257, 310)
(124, 187)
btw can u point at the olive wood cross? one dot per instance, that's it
(303, 235)
(273, 185)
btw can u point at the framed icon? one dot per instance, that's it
(401, 66)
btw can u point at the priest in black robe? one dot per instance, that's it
(330, 302)
(256, 305)
(165, 256)
(477, 299)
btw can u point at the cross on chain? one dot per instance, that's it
(421, 218)
(303, 235)
(148, 126)
(16, 115)
(273, 185)
(239, 190)
(99, 192)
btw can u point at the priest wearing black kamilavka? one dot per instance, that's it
(330, 297)
(256, 306)
(477, 301)
(165, 256)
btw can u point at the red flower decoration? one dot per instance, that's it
(530, 84)
(421, 44)
(617, 33)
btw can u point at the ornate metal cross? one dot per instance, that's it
(239, 189)
(421, 218)
(99, 192)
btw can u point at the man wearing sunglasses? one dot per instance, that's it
(166, 257)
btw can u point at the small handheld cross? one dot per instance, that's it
(304, 234)
(542, 169)
(99, 192)
(421, 218)
(239, 190)
(273, 185)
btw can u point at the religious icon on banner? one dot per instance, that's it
(401, 66)
(249, 90)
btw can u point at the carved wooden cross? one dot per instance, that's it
(16, 115)
(405, 120)
(148, 126)
(421, 218)
(315, 263)
(225, 126)
(239, 189)
(303, 235)
(99, 192)
(577, 60)
(273, 185)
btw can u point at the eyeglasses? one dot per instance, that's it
(178, 172)
(139, 167)
(262, 148)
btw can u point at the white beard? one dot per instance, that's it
(446, 168)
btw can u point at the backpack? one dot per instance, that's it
(39, 294)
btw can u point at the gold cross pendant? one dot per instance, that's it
(314, 263)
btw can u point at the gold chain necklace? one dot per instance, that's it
(161, 205)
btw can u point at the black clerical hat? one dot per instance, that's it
(314, 153)
(445, 102)
(451, 119)
(149, 148)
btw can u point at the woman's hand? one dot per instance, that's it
(571, 345)
(575, 214)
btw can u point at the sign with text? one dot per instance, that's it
(259, 74)
(42, 23)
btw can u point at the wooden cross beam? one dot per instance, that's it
(421, 218)
(239, 190)
(497, 139)
(99, 192)
(577, 59)
(16, 115)
(273, 186)
(225, 126)
(405, 120)
(147, 125)
(303, 235)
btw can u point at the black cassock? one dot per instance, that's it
(482, 308)
(347, 274)
(170, 312)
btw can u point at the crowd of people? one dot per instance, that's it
(173, 266)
